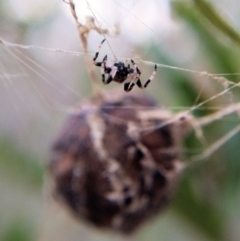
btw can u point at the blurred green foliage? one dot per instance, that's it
(207, 10)
(209, 29)
(17, 230)
(16, 162)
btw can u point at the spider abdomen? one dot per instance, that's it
(121, 73)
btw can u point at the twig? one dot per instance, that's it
(83, 31)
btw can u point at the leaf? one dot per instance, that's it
(17, 162)
(205, 216)
(18, 230)
(220, 56)
(210, 13)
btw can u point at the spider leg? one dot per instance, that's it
(103, 67)
(131, 86)
(126, 63)
(134, 65)
(127, 82)
(97, 53)
(130, 81)
(99, 64)
(113, 71)
(134, 77)
(111, 74)
(139, 84)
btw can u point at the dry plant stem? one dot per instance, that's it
(214, 147)
(83, 31)
(219, 114)
(220, 142)
(197, 125)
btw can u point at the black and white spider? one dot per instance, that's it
(121, 73)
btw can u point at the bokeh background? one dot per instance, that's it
(40, 84)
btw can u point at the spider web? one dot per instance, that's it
(41, 78)
(30, 69)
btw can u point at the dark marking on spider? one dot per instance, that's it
(121, 72)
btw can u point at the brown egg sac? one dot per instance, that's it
(116, 162)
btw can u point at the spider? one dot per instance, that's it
(121, 73)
